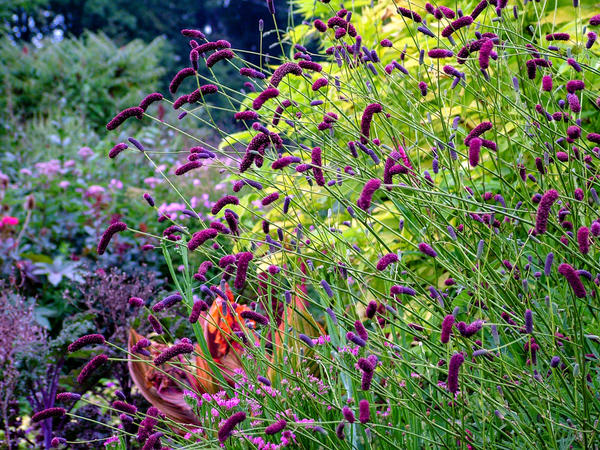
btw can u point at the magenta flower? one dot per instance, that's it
(243, 260)
(227, 428)
(405, 12)
(320, 25)
(543, 211)
(196, 34)
(191, 165)
(270, 198)
(283, 70)
(285, 161)
(276, 427)
(256, 317)
(474, 150)
(134, 111)
(149, 99)
(478, 131)
(200, 237)
(484, 53)
(447, 324)
(366, 196)
(456, 25)
(83, 341)
(91, 367)
(453, 368)
(179, 77)
(198, 307)
(319, 83)
(199, 93)
(210, 46)
(310, 65)
(173, 351)
(122, 406)
(316, 166)
(583, 240)
(113, 229)
(117, 149)
(180, 101)
(167, 302)
(364, 412)
(265, 95)
(386, 260)
(573, 279)
(252, 73)
(426, 249)
(558, 37)
(219, 56)
(439, 53)
(222, 202)
(348, 414)
(365, 123)
(48, 413)
(479, 8)
(361, 330)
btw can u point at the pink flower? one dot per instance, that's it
(10, 221)
(85, 152)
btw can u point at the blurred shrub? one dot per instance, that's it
(91, 77)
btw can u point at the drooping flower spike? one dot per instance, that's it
(91, 367)
(84, 341)
(113, 229)
(365, 123)
(116, 121)
(219, 56)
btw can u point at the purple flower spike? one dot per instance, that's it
(276, 427)
(558, 37)
(405, 12)
(48, 413)
(366, 196)
(179, 77)
(453, 368)
(386, 260)
(348, 414)
(459, 23)
(134, 111)
(201, 237)
(528, 321)
(267, 94)
(256, 317)
(283, 70)
(365, 123)
(583, 240)
(84, 341)
(167, 302)
(364, 412)
(149, 99)
(243, 260)
(474, 150)
(440, 53)
(426, 249)
(355, 339)
(543, 211)
(446, 329)
(227, 428)
(223, 201)
(113, 229)
(170, 353)
(219, 56)
(307, 340)
(573, 279)
(91, 367)
(548, 264)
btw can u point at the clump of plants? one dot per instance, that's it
(407, 257)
